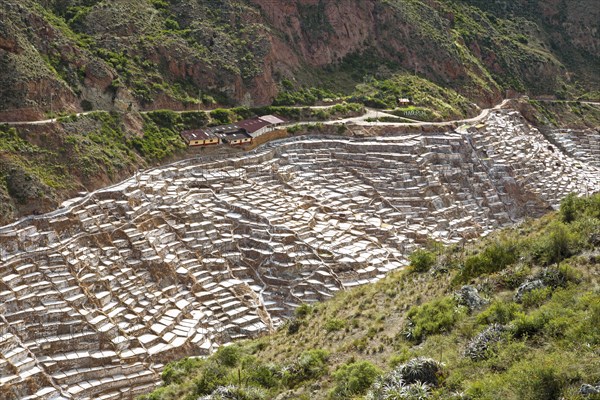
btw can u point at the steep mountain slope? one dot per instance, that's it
(61, 56)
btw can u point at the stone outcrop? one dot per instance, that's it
(97, 296)
(528, 287)
(587, 389)
(469, 297)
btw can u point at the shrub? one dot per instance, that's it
(177, 371)
(557, 244)
(437, 316)
(531, 380)
(592, 206)
(542, 383)
(354, 379)
(573, 208)
(493, 258)
(229, 355)
(164, 118)
(536, 297)
(171, 24)
(499, 312)
(158, 394)
(160, 139)
(421, 260)
(194, 119)
(295, 129)
(221, 116)
(512, 277)
(267, 376)
(334, 324)
(586, 329)
(527, 325)
(303, 310)
(568, 208)
(213, 375)
(310, 365)
(10, 140)
(86, 105)
(293, 326)
(502, 253)
(560, 276)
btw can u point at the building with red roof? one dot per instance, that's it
(242, 132)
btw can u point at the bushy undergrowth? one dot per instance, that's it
(10, 141)
(421, 260)
(306, 96)
(354, 379)
(431, 102)
(434, 317)
(158, 142)
(493, 258)
(234, 369)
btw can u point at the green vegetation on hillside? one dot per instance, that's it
(565, 114)
(221, 116)
(35, 167)
(41, 166)
(158, 53)
(525, 327)
(307, 97)
(200, 32)
(430, 101)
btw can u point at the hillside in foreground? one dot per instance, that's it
(513, 316)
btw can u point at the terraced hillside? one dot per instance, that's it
(97, 296)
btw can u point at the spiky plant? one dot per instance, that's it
(421, 369)
(410, 381)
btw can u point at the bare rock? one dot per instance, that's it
(587, 389)
(528, 287)
(469, 297)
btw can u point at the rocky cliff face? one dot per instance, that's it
(156, 54)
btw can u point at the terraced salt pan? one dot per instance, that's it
(97, 296)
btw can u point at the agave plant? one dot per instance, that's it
(421, 369)
(410, 381)
(221, 393)
(416, 391)
(478, 348)
(386, 386)
(232, 392)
